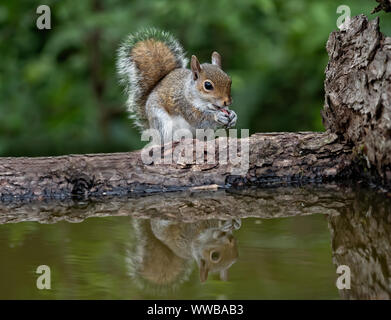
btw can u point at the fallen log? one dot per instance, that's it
(275, 159)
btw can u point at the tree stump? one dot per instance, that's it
(358, 92)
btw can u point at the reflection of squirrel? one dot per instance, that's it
(165, 250)
(164, 95)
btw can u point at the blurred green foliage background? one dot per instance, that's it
(59, 92)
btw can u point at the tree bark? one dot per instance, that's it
(358, 93)
(275, 159)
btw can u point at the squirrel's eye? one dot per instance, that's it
(215, 256)
(208, 86)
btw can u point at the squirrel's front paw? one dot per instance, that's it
(230, 225)
(221, 118)
(232, 119)
(226, 117)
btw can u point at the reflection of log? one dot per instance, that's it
(191, 206)
(358, 92)
(361, 239)
(274, 159)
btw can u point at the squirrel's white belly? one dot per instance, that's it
(169, 126)
(178, 122)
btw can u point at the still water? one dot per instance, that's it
(252, 244)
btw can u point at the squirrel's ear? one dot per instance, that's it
(203, 271)
(195, 67)
(216, 59)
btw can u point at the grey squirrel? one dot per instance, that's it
(164, 95)
(166, 250)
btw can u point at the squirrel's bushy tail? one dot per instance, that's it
(144, 59)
